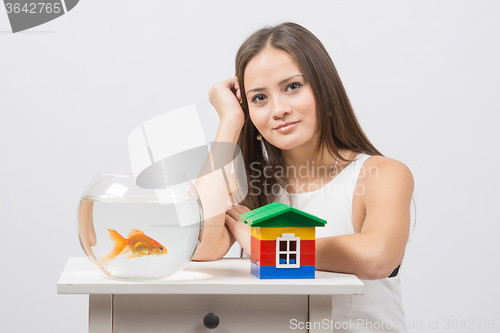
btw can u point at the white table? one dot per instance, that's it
(224, 287)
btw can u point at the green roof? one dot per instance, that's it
(277, 214)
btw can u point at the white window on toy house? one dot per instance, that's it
(287, 251)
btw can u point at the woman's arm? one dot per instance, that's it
(378, 249)
(213, 187)
(213, 191)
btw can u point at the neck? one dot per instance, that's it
(302, 166)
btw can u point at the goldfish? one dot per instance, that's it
(136, 242)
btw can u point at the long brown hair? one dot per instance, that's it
(338, 126)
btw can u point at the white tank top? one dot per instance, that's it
(380, 309)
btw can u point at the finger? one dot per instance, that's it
(234, 214)
(229, 219)
(233, 82)
(228, 83)
(237, 87)
(241, 209)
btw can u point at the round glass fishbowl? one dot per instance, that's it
(140, 230)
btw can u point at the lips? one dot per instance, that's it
(285, 124)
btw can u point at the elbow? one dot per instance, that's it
(208, 253)
(374, 273)
(195, 258)
(205, 257)
(211, 248)
(376, 268)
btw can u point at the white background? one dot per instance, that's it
(423, 77)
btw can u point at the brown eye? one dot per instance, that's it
(257, 98)
(295, 86)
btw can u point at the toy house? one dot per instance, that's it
(283, 242)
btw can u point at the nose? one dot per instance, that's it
(280, 108)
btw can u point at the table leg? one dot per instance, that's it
(320, 313)
(100, 313)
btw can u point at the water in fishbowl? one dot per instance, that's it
(140, 236)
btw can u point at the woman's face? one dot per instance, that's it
(281, 102)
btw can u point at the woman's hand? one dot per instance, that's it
(225, 96)
(239, 230)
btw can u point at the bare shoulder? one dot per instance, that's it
(380, 173)
(386, 165)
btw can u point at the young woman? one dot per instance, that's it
(302, 145)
